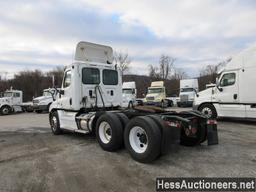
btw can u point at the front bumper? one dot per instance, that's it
(156, 103)
(185, 103)
(40, 107)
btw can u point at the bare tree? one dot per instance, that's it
(209, 70)
(153, 72)
(122, 60)
(166, 66)
(179, 73)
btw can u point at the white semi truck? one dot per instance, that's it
(234, 93)
(43, 102)
(129, 94)
(156, 95)
(188, 90)
(12, 102)
(89, 102)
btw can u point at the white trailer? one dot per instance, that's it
(89, 102)
(234, 94)
(12, 102)
(188, 89)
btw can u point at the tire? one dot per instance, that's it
(109, 132)
(123, 118)
(208, 110)
(130, 105)
(6, 110)
(170, 103)
(142, 138)
(55, 123)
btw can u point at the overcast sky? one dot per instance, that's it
(43, 34)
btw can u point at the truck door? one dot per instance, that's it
(66, 97)
(228, 96)
(16, 99)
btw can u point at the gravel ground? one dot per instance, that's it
(32, 159)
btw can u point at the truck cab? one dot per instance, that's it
(91, 83)
(11, 101)
(234, 93)
(188, 89)
(129, 94)
(43, 102)
(156, 94)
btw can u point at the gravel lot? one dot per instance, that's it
(32, 159)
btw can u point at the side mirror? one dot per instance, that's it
(218, 85)
(219, 88)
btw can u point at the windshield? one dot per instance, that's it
(187, 90)
(7, 94)
(127, 91)
(155, 90)
(47, 93)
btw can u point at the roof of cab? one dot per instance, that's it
(91, 52)
(244, 59)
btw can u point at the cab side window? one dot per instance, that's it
(67, 79)
(228, 79)
(16, 95)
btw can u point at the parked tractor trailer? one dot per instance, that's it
(11, 101)
(90, 101)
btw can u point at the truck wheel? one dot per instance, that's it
(208, 110)
(109, 132)
(142, 138)
(55, 123)
(5, 110)
(170, 103)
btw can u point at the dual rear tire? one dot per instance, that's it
(141, 135)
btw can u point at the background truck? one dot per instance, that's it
(43, 102)
(129, 94)
(156, 95)
(90, 100)
(188, 90)
(12, 101)
(234, 93)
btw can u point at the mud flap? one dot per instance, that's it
(212, 134)
(171, 138)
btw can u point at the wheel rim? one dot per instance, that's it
(5, 110)
(207, 112)
(105, 132)
(54, 123)
(138, 139)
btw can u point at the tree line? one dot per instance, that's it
(32, 82)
